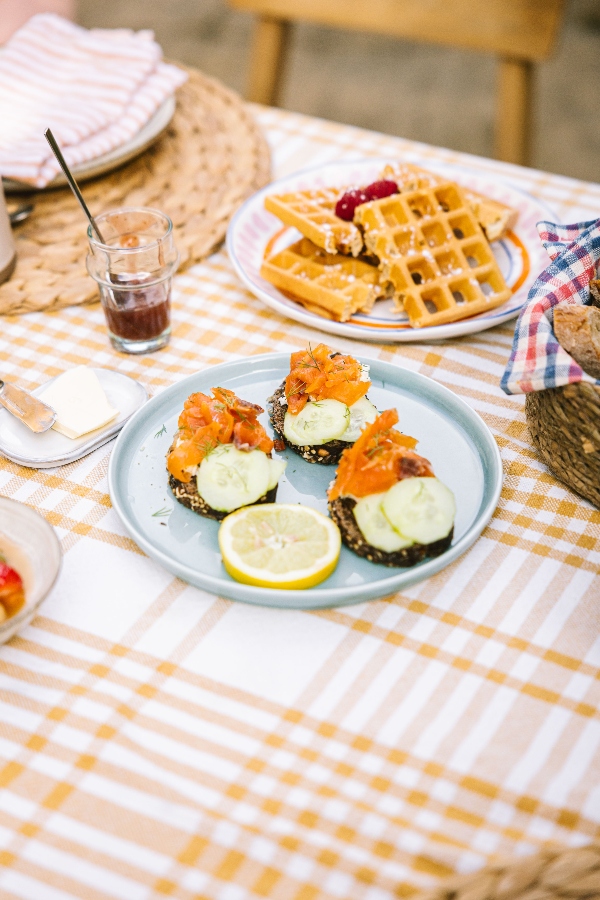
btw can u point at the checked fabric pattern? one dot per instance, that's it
(537, 360)
(160, 742)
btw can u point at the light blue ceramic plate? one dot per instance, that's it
(460, 446)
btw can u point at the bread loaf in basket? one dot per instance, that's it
(564, 422)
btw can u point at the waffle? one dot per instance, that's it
(313, 214)
(495, 218)
(331, 284)
(431, 247)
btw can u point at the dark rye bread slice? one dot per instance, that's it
(341, 511)
(187, 494)
(325, 454)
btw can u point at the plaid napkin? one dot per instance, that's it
(537, 360)
(95, 89)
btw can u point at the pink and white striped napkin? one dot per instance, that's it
(95, 89)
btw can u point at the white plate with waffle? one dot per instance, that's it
(255, 234)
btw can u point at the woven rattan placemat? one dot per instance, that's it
(549, 875)
(211, 157)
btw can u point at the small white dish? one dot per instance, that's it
(33, 549)
(44, 451)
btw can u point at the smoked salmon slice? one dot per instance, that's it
(379, 458)
(206, 422)
(321, 374)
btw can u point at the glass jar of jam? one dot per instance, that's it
(134, 266)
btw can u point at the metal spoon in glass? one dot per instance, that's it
(72, 183)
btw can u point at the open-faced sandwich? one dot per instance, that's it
(389, 506)
(321, 407)
(220, 459)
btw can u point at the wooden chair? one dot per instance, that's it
(520, 32)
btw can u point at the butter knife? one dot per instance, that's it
(38, 416)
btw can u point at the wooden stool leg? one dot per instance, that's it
(514, 111)
(271, 37)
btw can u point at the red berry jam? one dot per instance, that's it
(346, 205)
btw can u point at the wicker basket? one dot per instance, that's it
(565, 426)
(559, 874)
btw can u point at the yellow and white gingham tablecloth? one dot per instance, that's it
(157, 741)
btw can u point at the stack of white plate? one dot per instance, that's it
(108, 161)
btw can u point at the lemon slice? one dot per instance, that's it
(279, 545)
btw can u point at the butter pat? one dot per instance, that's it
(79, 401)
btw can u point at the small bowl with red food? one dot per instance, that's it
(30, 561)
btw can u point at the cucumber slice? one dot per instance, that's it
(276, 470)
(320, 421)
(423, 509)
(376, 529)
(229, 478)
(361, 413)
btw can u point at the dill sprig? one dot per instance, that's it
(207, 445)
(244, 419)
(162, 513)
(379, 437)
(315, 363)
